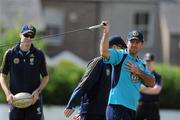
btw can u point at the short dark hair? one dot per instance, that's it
(117, 40)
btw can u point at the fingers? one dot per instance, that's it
(128, 66)
(10, 98)
(35, 96)
(77, 117)
(104, 23)
(105, 26)
(68, 112)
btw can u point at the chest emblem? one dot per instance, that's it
(31, 61)
(32, 55)
(134, 77)
(108, 72)
(16, 60)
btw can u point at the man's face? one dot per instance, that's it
(150, 64)
(26, 39)
(134, 46)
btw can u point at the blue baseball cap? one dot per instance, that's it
(117, 40)
(135, 35)
(28, 29)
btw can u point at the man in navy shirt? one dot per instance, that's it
(93, 90)
(148, 108)
(26, 66)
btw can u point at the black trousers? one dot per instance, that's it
(148, 111)
(92, 117)
(33, 112)
(119, 112)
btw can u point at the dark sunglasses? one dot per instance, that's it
(27, 35)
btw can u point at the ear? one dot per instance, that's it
(114, 46)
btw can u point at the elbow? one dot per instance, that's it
(105, 54)
(152, 83)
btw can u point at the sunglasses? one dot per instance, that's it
(27, 36)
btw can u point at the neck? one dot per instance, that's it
(133, 55)
(24, 48)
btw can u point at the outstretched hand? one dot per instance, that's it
(68, 112)
(35, 95)
(10, 98)
(77, 117)
(105, 26)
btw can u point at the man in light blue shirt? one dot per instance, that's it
(129, 72)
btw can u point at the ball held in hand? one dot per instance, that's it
(22, 100)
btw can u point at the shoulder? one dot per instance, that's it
(9, 51)
(156, 74)
(38, 51)
(96, 60)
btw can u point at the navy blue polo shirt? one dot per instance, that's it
(25, 69)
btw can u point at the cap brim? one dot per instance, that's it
(27, 31)
(134, 38)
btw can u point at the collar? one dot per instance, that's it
(17, 48)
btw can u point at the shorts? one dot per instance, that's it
(119, 112)
(34, 112)
(92, 117)
(148, 111)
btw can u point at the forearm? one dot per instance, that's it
(4, 85)
(43, 84)
(104, 44)
(147, 79)
(151, 91)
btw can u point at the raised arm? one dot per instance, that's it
(104, 44)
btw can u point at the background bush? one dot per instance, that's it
(64, 77)
(170, 94)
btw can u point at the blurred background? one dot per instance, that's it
(67, 55)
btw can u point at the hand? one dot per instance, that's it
(77, 117)
(10, 98)
(35, 95)
(68, 112)
(105, 26)
(132, 68)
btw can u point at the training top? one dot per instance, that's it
(126, 90)
(25, 69)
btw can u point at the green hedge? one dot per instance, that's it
(170, 93)
(64, 77)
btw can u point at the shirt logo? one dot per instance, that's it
(31, 61)
(134, 77)
(108, 72)
(32, 55)
(135, 33)
(39, 110)
(16, 60)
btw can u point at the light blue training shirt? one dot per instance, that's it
(127, 90)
